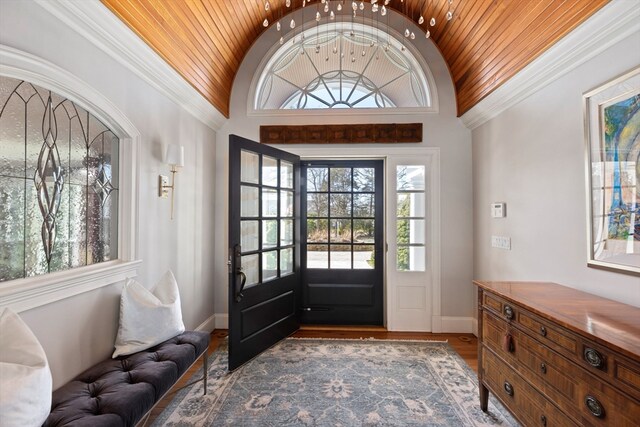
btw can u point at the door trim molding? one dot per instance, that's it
(432, 154)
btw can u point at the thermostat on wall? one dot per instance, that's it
(498, 210)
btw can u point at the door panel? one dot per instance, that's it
(264, 235)
(342, 241)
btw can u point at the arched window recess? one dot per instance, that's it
(342, 65)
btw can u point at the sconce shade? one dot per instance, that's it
(174, 155)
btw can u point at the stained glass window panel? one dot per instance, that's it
(11, 228)
(58, 183)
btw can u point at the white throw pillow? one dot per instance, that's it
(148, 317)
(25, 378)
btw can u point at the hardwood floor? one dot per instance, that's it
(466, 345)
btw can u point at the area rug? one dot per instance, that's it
(312, 382)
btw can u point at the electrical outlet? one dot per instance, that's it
(501, 242)
(163, 182)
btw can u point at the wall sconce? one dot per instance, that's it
(174, 157)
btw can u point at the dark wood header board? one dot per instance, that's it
(342, 134)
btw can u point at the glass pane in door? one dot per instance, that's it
(251, 268)
(269, 171)
(249, 236)
(249, 197)
(269, 265)
(249, 167)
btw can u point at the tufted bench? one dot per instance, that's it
(122, 391)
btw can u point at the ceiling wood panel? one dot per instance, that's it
(485, 44)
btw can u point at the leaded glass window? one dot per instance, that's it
(58, 183)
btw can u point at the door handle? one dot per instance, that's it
(238, 287)
(243, 281)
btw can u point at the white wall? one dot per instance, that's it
(80, 331)
(443, 130)
(532, 156)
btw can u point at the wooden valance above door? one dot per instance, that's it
(342, 134)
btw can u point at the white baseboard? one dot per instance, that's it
(475, 327)
(208, 325)
(450, 324)
(221, 320)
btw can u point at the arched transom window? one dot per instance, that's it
(342, 65)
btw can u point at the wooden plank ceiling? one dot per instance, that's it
(485, 44)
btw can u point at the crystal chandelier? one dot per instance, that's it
(377, 10)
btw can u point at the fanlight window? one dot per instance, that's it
(58, 183)
(342, 65)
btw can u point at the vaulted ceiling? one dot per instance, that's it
(485, 44)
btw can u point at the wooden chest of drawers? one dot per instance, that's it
(555, 356)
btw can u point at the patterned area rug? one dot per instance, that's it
(311, 382)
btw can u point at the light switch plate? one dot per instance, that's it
(163, 181)
(501, 242)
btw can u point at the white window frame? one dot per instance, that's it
(421, 288)
(31, 292)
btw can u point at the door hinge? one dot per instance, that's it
(229, 264)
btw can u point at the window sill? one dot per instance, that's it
(25, 294)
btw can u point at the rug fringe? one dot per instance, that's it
(369, 339)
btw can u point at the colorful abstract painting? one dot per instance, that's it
(612, 125)
(622, 148)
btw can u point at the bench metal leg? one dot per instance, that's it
(205, 367)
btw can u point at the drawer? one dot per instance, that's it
(561, 380)
(529, 406)
(499, 306)
(601, 405)
(551, 335)
(552, 374)
(610, 366)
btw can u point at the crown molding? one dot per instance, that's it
(95, 22)
(614, 22)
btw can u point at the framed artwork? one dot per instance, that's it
(612, 130)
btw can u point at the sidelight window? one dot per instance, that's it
(410, 218)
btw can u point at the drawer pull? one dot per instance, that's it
(543, 420)
(594, 406)
(508, 388)
(593, 357)
(543, 331)
(508, 312)
(543, 368)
